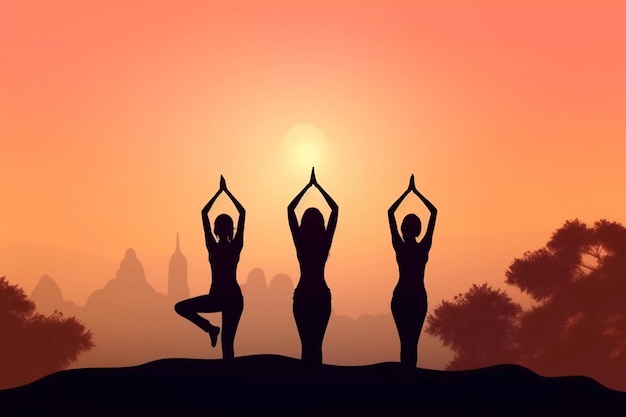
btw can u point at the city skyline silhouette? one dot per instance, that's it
(266, 327)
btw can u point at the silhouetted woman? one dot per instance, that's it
(409, 303)
(224, 294)
(311, 297)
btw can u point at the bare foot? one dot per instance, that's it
(213, 332)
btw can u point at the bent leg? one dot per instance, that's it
(190, 308)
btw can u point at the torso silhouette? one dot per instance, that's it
(412, 258)
(312, 256)
(224, 257)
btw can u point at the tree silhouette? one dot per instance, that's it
(479, 326)
(34, 345)
(578, 325)
(579, 281)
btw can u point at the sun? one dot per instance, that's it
(305, 146)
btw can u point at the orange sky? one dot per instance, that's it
(117, 118)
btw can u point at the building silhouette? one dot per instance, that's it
(177, 287)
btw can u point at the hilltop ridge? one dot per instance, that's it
(278, 385)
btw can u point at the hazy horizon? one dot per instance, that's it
(67, 271)
(132, 322)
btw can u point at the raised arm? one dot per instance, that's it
(334, 208)
(242, 212)
(291, 212)
(208, 234)
(428, 236)
(391, 213)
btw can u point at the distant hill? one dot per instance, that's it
(277, 385)
(26, 262)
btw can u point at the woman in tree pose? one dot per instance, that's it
(311, 298)
(409, 303)
(224, 294)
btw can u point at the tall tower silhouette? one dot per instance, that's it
(177, 287)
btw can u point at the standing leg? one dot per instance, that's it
(311, 312)
(422, 309)
(190, 308)
(409, 316)
(319, 324)
(302, 312)
(230, 320)
(403, 327)
(408, 348)
(299, 315)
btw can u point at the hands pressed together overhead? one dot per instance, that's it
(313, 180)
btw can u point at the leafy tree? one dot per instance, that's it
(579, 282)
(578, 325)
(33, 345)
(478, 326)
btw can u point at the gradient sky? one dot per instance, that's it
(117, 118)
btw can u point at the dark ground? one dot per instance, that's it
(275, 385)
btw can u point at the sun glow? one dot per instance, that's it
(305, 146)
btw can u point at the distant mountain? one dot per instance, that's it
(26, 262)
(277, 385)
(48, 297)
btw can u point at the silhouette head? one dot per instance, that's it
(411, 227)
(312, 223)
(224, 227)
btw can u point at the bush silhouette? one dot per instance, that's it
(34, 345)
(576, 327)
